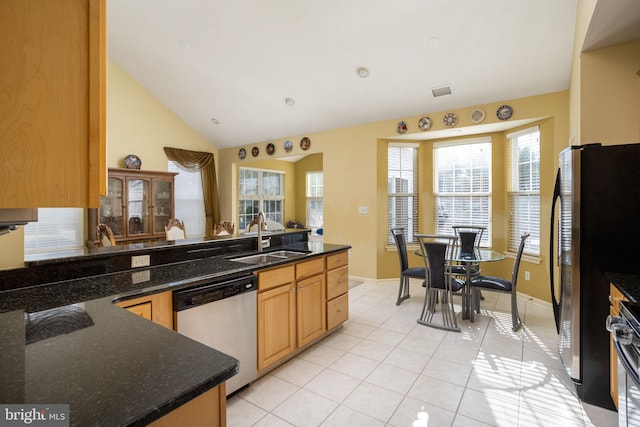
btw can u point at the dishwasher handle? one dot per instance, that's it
(214, 291)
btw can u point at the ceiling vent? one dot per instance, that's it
(441, 91)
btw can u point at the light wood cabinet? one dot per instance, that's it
(615, 296)
(156, 307)
(276, 323)
(53, 109)
(337, 271)
(207, 410)
(138, 204)
(310, 308)
(293, 306)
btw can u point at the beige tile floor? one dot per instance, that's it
(383, 369)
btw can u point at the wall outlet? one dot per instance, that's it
(527, 275)
(140, 261)
(140, 276)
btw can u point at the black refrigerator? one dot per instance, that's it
(597, 231)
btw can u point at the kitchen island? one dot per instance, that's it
(65, 342)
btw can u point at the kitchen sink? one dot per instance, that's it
(268, 257)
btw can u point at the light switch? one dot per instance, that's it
(363, 210)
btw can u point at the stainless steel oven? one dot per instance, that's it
(625, 330)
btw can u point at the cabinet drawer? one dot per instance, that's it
(337, 311)
(309, 268)
(337, 282)
(278, 276)
(337, 260)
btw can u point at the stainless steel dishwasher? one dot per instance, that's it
(222, 315)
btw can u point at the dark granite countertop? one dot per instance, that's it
(66, 342)
(628, 284)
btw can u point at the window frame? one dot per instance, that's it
(314, 198)
(190, 210)
(482, 196)
(519, 221)
(267, 203)
(411, 222)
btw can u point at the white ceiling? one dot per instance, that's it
(237, 60)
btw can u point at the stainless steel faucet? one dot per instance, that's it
(260, 224)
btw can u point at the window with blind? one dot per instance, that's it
(462, 185)
(524, 190)
(189, 200)
(314, 199)
(402, 184)
(260, 190)
(57, 229)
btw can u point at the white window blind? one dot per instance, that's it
(524, 190)
(314, 199)
(57, 229)
(189, 200)
(260, 190)
(402, 184)
(462, 185)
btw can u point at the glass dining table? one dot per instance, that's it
(468, 260)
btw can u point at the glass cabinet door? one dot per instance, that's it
(111, 206)
(138, 206)
(162, 209)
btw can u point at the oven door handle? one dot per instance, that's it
(630, 370)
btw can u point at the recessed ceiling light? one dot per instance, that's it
(215, 121)
(363, 72)
(434, 42)
(289, 101)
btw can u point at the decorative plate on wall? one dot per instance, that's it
(271, 149)
(255, 151)
(242, 153)
(305, 143)
(477, 115)
(425, 123)
(450, 119)
(288, 146)
(504, 112)
(132, 162)
(402, 127)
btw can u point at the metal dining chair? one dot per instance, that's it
(498, 284)
(406, 272)
(436, 252)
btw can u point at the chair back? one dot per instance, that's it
(470, 236)
(224, 228)
(401, 246)
(105, 235)
(437, 251)
(516, 263)
(174, 230)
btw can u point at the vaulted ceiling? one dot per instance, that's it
(226, 66)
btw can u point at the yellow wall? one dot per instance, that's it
(138, 123)
(354, 164)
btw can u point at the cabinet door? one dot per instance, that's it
(276, 324)
(112, 205)
(310, 309)
(156, 307)
(162, 206)
(137, 206)
(53, 108)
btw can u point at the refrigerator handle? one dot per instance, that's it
(555, 303)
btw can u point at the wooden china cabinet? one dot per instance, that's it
(138, 204)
